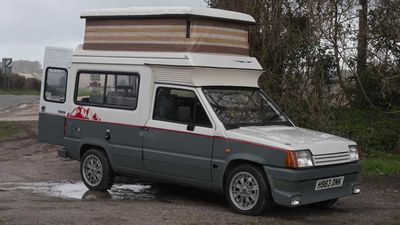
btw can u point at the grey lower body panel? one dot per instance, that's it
(179, 154)
(51, 128)
(123, 148)
(288, 183)
(72, 148)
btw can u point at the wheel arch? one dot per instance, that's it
(240, 160)
(87, 146)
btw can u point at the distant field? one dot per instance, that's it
(19, 92)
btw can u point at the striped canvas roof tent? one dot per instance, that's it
(167, 29)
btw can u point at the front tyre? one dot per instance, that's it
(96, 171)
(247, 190)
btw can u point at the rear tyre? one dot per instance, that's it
(96, 171)
(247, 190)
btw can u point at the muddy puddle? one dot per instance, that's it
(124, 189)
(77, 190)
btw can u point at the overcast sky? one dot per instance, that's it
(28, 26)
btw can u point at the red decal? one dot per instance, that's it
(81, 113)
(95, 117)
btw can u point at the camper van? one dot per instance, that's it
(172, 94)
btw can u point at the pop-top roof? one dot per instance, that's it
(168, 29)
(149, 12)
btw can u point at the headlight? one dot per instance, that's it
(353, 153)
(298, 159)
(304, 158)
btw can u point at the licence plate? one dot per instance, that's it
(329, 183)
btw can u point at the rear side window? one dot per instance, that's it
(55, 86)
(179, 106)
(107, 89)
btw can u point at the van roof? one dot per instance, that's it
(180, 59)
(160, 12)
(191, 69)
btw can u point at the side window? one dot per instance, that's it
(55, 87)
(179, 106)
(114, 90)
(91, 88)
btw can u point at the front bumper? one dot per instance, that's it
(287, 184)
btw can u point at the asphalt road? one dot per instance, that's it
(19, 107)
(7, 101)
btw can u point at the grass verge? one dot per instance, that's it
(8, 130)
(19, 92)
(381, 165)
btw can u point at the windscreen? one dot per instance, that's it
(237, 107)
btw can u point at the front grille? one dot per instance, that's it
(332, 158)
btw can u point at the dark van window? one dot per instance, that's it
(55, 86)
(179, 106)
(114, 90)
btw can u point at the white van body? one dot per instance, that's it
(280, 162)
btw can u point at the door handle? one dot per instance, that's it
(61, 112)
(107, 136)
(43, 109)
